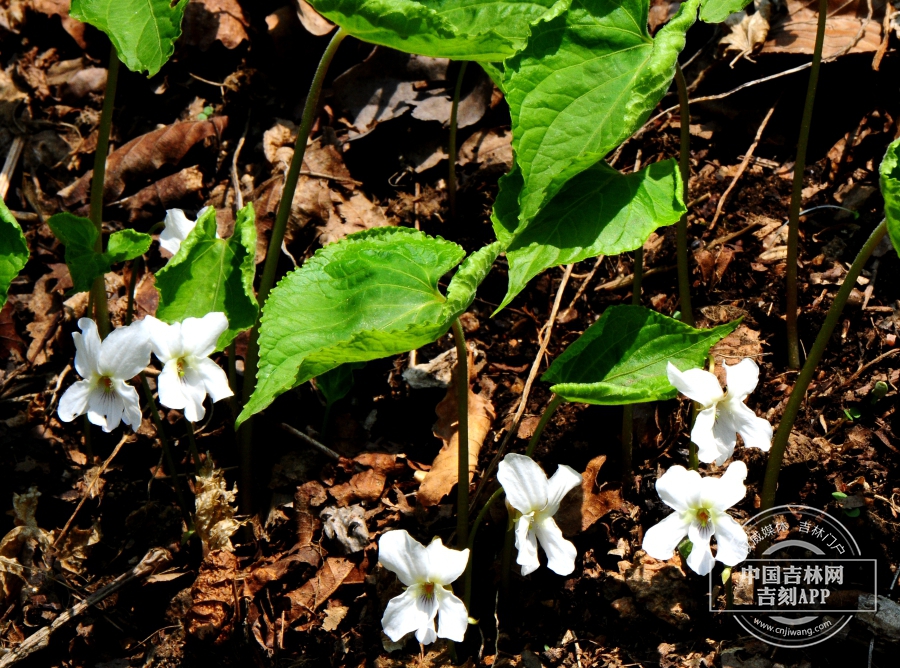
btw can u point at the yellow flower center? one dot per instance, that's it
(106, 383)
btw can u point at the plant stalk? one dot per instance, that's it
(273, 253)
(467, 577)
(192, 446)
(136, 267)
(779, 444)
(462, 435)
(684, 163)
(797, 190)
(628, 409)
(98, 177)
(545, 418)
(451, 152)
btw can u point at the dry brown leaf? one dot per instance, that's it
(273, 569)
(584, 506)
(443, 474)
(472, 105)
(143, 156)
(10, 341)
(748, 32)
(334, 615)
(317, 590)
(206, 21)
(212, 595)
(25, 532)
(713, 263)
(847, 28)
(308, 494)
(490, 149)
(742, 342)
(314, 22)
(46, 305)
(165, 194)
(357, 213)
(367, 485)
(75, 548)
(60, 8)
(214, 516)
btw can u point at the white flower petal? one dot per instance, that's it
(560, 552)
(131, 414)
(445, 565)
(756, 431)
(215, 380)
(524, 482)
(87, 348)
(561, 483)
(703, 435)
(725, 433)
(697, 384)
(452, 616)
(177, 228)
(700, 560)
(105, 407)
(194, 391)
(722, 493)
(125, 352)
(171, 388)
(661, 539)
(165, 339)
(201, 334)
(401, 554)
(741, 378)
(678, 488)
(426, 634)
(731, 540)
(74, 401)
(408, 612)
(526, 546)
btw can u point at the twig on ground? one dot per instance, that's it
(235, 180)
(724, 239)
(869, 365)
(151, 562)
(587, 280)
(623, 281)
(740, 172)
(309, 440)
(543, 340)
(9, 166)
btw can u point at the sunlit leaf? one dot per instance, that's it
(716, 11)
(13, 251)
(890, 190)
(622, 358)
(209, 274)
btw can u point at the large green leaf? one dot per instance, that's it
(621, 358)
(716, 11)
(890, 189)
(143, 31)
(598, 212)
(486, 30)
(79, 236)
(337, 383)
(585, 82)
(209, 274)
(370, 295)
(13, 251)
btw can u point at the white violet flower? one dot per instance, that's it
(536, 500)
(188, 374)
(104, 394)
(177, 228)
(700, 505)
(426, 572)
(723, 415)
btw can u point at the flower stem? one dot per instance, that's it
(136, 268)
(467, 576)
(776, 455)
(506, 561)
(628, 409)
(273, 253)
(693, 452)
(451, 152)
(192, 446)
(797, 190)
(98, 288)
(545, 418)
(684, 162)
(167, 452)
(462, 438)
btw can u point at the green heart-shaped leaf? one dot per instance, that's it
(370, 295)
(890, 190)
(622, 358)
(79, 236)
(487, 30)
(209, 274)
(143, 31)
(716, 11)
(13, 250)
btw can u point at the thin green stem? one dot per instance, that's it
(545, 418)
(628, 409)
(462, 439)
(467, 577)
(776, 455)
(98, 288)
(88, 447)
(793, 338)
(192, 446)
(506, 559)
(232, 379)
(136, 268)
(451, 152)
(684, 162)
(167, 452)
(273, 253)
(693, 450)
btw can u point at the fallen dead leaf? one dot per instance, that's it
(367, 485)
(314, 22)
(334, 615)
(167, 193)
(741, 343)
(46, 304)
(10, 341)
(317, 590)
(308, 495)
(75, 548)
(206, 21)
(443, 474)
(713, 264)
(436, 105)
(847, 28)
(212, 598)
(143, 156)
(585, 505)
(489, 149)
(214, 514)
(272, 569)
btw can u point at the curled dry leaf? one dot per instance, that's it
(741, 343)
(317, 590)
(489, 149)
(314, 22)
(166, 193)
(206, 21)
(848, 30)
(214, 518)
(26, 531)
(310, 494)
(75, 548)
(212, 598)
(144, 156)
(367, 485)
(443, 474)
(583, 506)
